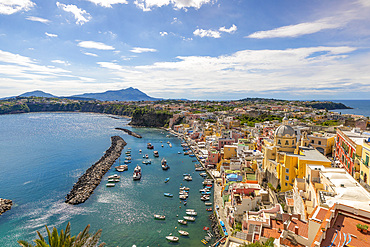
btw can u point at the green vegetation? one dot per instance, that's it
(268, 243)
(64, 239)
(330, 123)
(250, 121)
(150, 118)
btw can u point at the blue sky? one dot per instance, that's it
(194, 49)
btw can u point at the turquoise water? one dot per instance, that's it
(43, 154)
(360, 107)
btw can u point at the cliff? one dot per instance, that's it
(149, 118)
(328, 105)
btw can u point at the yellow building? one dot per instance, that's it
(287, 160)
(365, 162)
(230, 151)
(323, 142)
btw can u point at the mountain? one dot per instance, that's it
(128, 94)
(37, 93)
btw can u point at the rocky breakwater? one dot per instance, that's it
(5, 205)
(86, 184)
(130, 132)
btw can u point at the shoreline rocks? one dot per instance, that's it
(214, 226)
(5, 205)
(130, 132)
(86, 184)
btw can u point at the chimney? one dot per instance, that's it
(285, 225)
(296, 230)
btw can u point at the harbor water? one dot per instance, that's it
(44, 154)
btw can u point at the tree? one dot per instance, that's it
(83, 239)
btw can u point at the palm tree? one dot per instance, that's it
(83, 239)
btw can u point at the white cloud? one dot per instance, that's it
(90, 54)
(141, 50)
(232, 29)
(95, 45)
(163, 33)
(34, 18)
(51, 35)
(148, 5)
(80, 15)
(297, 30)
(65, 63)
(8, 7)
(176, 20)
(207, 33)
(108, 3)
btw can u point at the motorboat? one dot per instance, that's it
(208, 203)
(137, 168)
(183, 197)
(172, 238)
(155, 153)
(188, 178)
(179, 152)
(186, 174)
(166, 180)
(203, 190)
(149, 146)
(164, 164)
(168, 194)
(121, 168)
(183, 233)
(189, 218)
(200, 169)
(159, 217)
(140, 150)
(206, 192)
(111, 184)
(190, 210)
(184, 188)
(182, 222)
(146, 156)
(209, 209)
(147, 162)
(113, 180)
(203, 174)
(192, 213)
(114, 176)
(205, 198)
(136, 175)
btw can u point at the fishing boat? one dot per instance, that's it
(168, 194)
(200, 169)
(182, 222)
(166, 180)
(137, 173)
(159, 217)
(137, 168)
(188, 178)
(149, 146)
(114, 176)
(192, 213)
(186, 174)
(204, 198)
(164, 164)
(121, 168)
(183, 197)
(111, 184)
(190, 210)
(155, 153)
(184, 188)
(203, 174)
(183, 233)
(189, 218)
(172, 238)
(209, 209)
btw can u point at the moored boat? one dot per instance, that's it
(188, 178)
(172, 238)
(164, 164)
(168, 194)
(209, 209)
(183, 233)
(159, 217)
(166, 180)
(189, 218)
(111, 184)
(114, 176)
(121, 168)
(182, 222)
(155, 153)
(208, 203)
(192, 213)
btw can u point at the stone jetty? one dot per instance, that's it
(130, 132)
(86, 184)
(5, 205)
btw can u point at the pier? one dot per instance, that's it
(5, 205)
(86, 184)
(129, 132)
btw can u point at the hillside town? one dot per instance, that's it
(298, 179)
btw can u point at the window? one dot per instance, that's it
(287, 170)
(292, 180)
(287, 178)
(286, 184)
(293, 142)
(313, 141)
(319, 142)
(286, 142)
(279, 142)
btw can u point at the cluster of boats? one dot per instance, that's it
(112, 180)
(184, 193)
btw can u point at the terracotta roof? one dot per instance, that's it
(290, 201)
(321, 214)
(302, 227)
(346, 225)
(289, 243)
(274, 230)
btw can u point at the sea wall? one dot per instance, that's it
(130, 132)
(86, 184)
(5, 205)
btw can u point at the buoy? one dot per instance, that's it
(177, 215)
(175, 227)
(179, 206)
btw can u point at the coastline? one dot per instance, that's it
(87, 183)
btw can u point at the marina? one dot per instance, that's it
(128, 206)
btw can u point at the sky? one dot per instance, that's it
(193, 49)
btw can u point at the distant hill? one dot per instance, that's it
(128, 94)
(37, 93)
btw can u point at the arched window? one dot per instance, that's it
(279, 142)
(286, 142)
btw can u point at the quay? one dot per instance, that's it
(87, 183)
(5, 205)
(129, 132)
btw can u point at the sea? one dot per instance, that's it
(360, 107)
(43, 154)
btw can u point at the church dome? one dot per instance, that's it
(283, 130)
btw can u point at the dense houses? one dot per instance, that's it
(294, 182)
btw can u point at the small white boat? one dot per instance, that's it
(159, 217)
(183, 233)
(184, 188)
(139, 150)
(121, 168)
(189, 218)
(182, 222)
(190, 210)
(113, 180)
(172, 238)
(183, 197)
(208, 203)
(114, 176)
(137, 168)
(188, 178)
(111, 184)
(192, 213)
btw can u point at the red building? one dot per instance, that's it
(345, 151)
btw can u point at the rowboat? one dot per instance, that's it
(172, 238)
(182, 222)
(159, 217)
(208, 203)
(168, 194)
(110, 185)
(184, 188)
(183, 233)
(209, 209)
